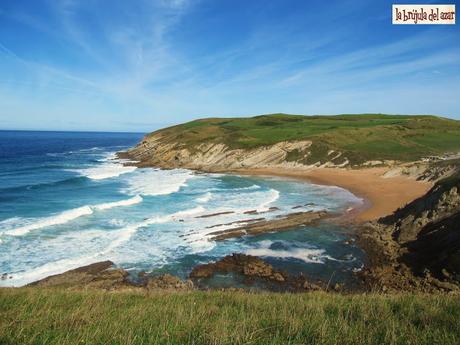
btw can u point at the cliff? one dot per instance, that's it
(419, 245)
(293, 141)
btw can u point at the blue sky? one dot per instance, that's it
(139, 65)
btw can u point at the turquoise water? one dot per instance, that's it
(66, 202)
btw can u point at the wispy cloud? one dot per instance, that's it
(166, 61)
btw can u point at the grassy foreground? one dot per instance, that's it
(40, 316)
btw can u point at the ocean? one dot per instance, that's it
(66, 201)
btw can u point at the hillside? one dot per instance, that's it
(295, 140)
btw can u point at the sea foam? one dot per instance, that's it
(307, 255)
(272, 197)
(124, 234)
(120, 236)
(107, 170)
(128, 202)
(158, 182)
(61, 218)
(204, 198)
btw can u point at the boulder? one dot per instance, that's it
(168, 282)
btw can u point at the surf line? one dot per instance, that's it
(69, 215)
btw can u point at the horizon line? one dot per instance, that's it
(165, 125)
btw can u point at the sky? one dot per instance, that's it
(117, 65)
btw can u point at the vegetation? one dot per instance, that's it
(360, 137)
(47, 316)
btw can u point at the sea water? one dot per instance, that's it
(67, 201)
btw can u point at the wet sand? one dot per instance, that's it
(382, 196)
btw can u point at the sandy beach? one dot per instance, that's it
(381, 195)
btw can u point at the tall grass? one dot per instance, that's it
(40, 316)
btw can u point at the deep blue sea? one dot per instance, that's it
(66, 201)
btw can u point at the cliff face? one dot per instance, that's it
(282, 140)
(214, 145)
(158, 151)
(421, 239)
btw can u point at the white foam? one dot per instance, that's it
(205, 198)
(48, 269)
(128, 202)
(10, 221)
(157, 182)
(106, 170)
(201, 245)
(274, 195)
(117, 222)
(305, 254)
(60, 218)
(123, 235)
(254, 186)
(190, 212)
(120, 236)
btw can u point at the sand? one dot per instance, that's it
(382, 196)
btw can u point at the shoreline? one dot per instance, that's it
(364, 183)
(381, 196)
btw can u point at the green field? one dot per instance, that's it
(40, 316)
(360, 137)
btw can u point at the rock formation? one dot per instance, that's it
(103, 276)
(418, 247)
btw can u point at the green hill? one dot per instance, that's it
(360, 137)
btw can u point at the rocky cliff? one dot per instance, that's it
(160, 152)
(419, 245)
(288, 141)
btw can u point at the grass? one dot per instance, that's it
(361, 137)
(41, 316)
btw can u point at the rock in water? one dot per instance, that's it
(100, 275)
(247, 265)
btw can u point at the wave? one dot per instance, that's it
(10, 221)
(40, 185)
(158, 182)
(120, 236)
(105, 171)
(65, 153)
(109, 156)
(274, 195)
(253, 187)
(205, 198)
(63, 217)
(124, 235)
(48, 269)
(307, 255)
(128, 202)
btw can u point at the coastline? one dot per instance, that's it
(381, 196)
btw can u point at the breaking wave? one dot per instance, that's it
(274, 195)
(121, 236)
(205, 198)
(158, 182)
(107, 170)
(61, 218)
(128, 202)
(308, 255)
